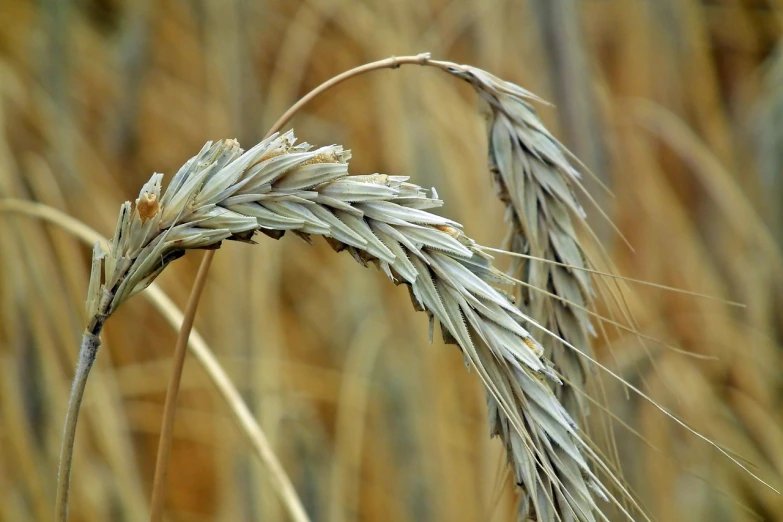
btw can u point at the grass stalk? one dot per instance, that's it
(393, 62)
(172, 393)
(88, 350)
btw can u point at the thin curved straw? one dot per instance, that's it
(392, 62)
(172, 391)
(198, 347)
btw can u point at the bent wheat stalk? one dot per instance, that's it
(278, 186)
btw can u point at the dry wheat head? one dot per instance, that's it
(533, 177)
(225, 193)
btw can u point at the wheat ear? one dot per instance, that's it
(533, 177)
(223, 193)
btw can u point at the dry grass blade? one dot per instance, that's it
(172, 393)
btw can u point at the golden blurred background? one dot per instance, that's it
(677, 105)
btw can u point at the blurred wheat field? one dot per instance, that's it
(677, 105)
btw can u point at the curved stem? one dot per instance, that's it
(170, 406)
(88, 350)
(392, 62)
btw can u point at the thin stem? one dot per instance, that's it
(88, 350)
(170, 407)
(392, 62)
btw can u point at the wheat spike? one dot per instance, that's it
(533, 177)
(225, 193)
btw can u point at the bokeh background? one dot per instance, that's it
(677, 105)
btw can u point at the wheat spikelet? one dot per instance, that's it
(223, 193)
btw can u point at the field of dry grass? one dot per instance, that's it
(676, 105)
